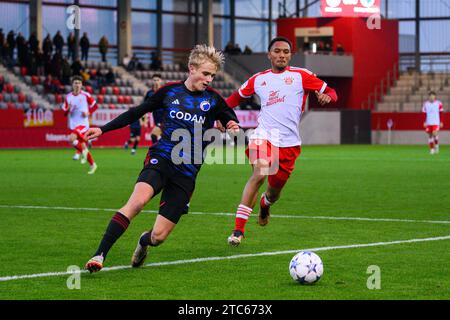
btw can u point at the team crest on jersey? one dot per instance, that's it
(289, 81)
(154, 161)
(205, 106)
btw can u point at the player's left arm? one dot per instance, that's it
(441, 112)
(324, 93)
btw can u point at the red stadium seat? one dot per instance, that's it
(100, 99)
(103, 90)
(21, 97)
(120, 100)
(1, 97)
(11, 105)
(58, 98)
(9, 88)
(23, 71)
(116, 91)
(35, 80)
(89, 89)
(33, 105)
(112, 106)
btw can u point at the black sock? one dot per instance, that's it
(135, 144)
(154, 139)
(146, 239)
(117, 226)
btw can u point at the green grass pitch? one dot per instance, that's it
(53, 216)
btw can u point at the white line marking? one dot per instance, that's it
(239, 256)
(233, 214)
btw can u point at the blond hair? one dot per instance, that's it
(202, 53)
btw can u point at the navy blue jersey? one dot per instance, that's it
(135, 125)
(195, 112)
(157, 114)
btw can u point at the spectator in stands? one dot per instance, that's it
(66, 72)
(47, 46)
(52, 85)
(76, 67)
(110, 77)
(58, 42)
(2, 45)
(103, 47)
(11, 41)
(2, 83)
(247, 50)
(71, 46)
(156, 63)
(327, 48)
(229, 48)
(39, 55)
(57, 65)
(126, 62)
(33, 43)
(21, 48)
(84, 45)
(340, 49)
(306, 46)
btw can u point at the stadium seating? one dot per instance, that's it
(411, 91)
(11, 97)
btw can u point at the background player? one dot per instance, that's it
(78, 106)
(157, 114)
(432, 108)
(283, 91)
(191, 105)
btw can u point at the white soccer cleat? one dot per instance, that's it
(432, 151)
(95, 264)
(93, 169)
(140, 253)
(235, 238)
(76, 157)
(133, 151)
(84, 156)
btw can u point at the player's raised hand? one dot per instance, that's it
(92, 133)
(232, 127)
(322, 98)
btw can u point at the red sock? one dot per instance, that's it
(431, 143)
(436, 141)
(90, 159)
(242, 214)
(264, 203)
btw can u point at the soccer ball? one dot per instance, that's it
(306, 267)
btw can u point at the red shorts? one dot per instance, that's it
(281, 159)
(431, 129)
(79, 132)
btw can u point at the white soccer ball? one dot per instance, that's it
(306, 267)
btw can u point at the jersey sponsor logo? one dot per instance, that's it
(274, 98)
(205, 106)
(180, 115)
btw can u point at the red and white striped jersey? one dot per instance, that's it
(283, 96)
(75, 106)
(433, 109)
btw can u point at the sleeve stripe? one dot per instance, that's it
(242, 95)
(323, 87)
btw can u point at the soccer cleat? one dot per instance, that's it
(84, 156)
(125, 146)
(133, 152)
(264, 213)
(93, 169)
(76, 157)
(140, 253)
(235, 238)
(432, 151)
(95, 264)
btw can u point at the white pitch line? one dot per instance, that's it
(239, 256)
(233, 214)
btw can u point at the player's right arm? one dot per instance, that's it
(128, 117)
(247, 90)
